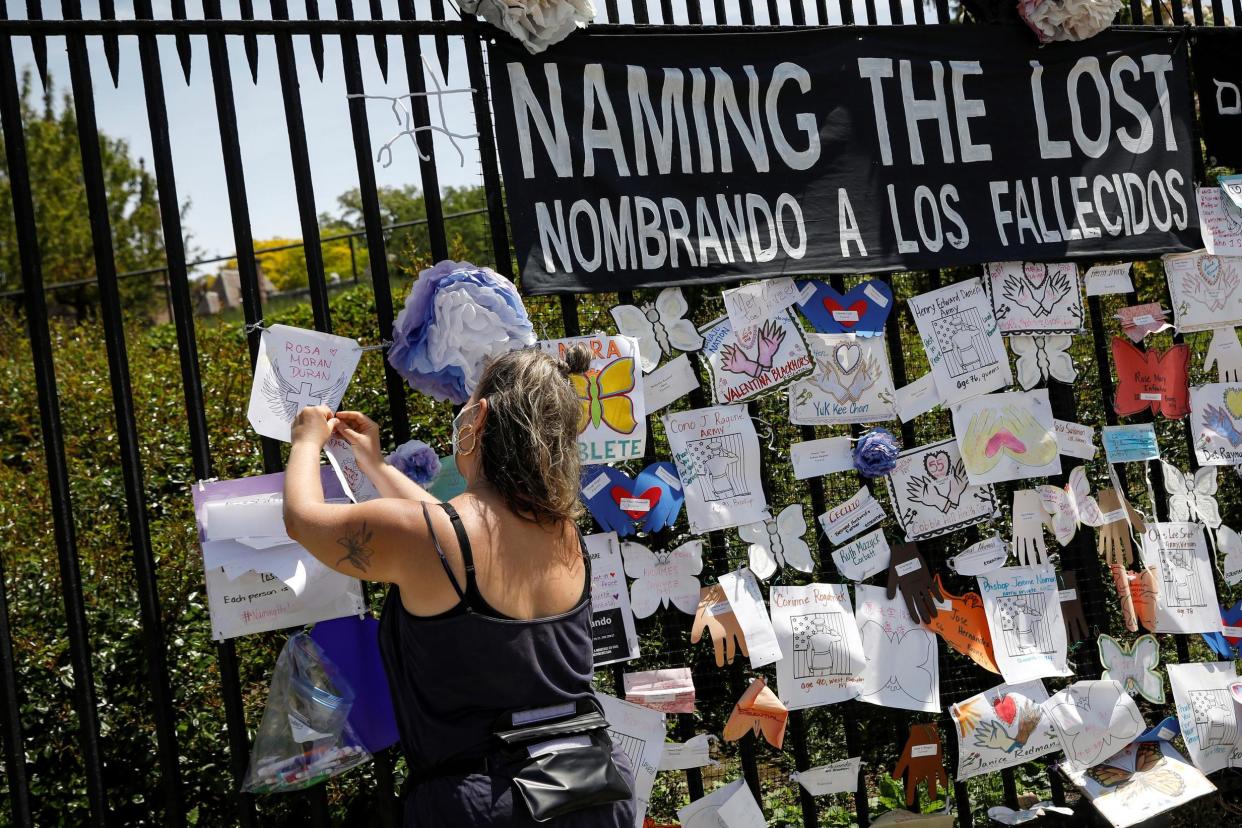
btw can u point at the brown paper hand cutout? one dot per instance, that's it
(1114, 542)
(908, 571)
(922, 760)
(1071, 609)
(716, 617)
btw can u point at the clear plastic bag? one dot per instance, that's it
(304, 737)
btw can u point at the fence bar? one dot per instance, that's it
(54, 450)
(416, 81)
(38, 43)
(1218, 12)
(15, 770)
(487, 153)
(380, 40)
(376, 247)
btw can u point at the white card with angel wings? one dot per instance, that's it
(1030, 298)
(903, 662)
(663, 578)
(660, 327)
(852, 382)
(1207, 713)
(1186, 601)
(1216, 423)
(963, 342)
(716, 452)
(1094, 720)
(1206, 290)
(1023, 609)
(822, 655)
(777, 543)
(297, 368)
(931, 495)
(1001, 728)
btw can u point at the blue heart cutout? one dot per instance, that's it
(871, 300)
(599, 483)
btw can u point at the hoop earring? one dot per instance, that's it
(473, 446)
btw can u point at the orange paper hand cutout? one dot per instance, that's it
(716, 617)
(964, 627)
(760, 711)
(922, 760)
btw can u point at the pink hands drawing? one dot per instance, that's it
(771, 335)
(734, 360)
(737, 361)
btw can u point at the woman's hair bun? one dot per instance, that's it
(577, 360)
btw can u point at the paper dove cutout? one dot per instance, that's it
(1043, 357)
(776, 543)
(1230, 544)
(650, 502)
(663, 578)
(1094, 719)
(1071, 506)
(1151, 380)
(1192, 497)
(863, 309)
(658, 326)
(1225, 353)
(1133, 665)
(964, 626)
(758, 711)
(988, 555)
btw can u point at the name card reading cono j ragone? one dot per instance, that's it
(663, 159)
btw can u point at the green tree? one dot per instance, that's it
(55, 164)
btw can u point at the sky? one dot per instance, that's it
(194, 131)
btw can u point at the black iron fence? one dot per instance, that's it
(811, 732)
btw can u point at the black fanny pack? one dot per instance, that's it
(560, 759)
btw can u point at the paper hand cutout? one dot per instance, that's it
(1010, 431)
(964, 627)
(863, 309)
(1029, 519)
(661, 578)
(758, 711)
(769, 338)
(1071, 505)
(1231, 554)
(922, 760)
(1043, 357)
(943, 486)
(1151, 380)
(659, 327)
(1114, 542)
(1095, 719)
(1134, 666)
(778, 542)
(908, 571)
(716, 617)
(650, 502)
(1225, 353)
(1071, 609)
(1192, 497)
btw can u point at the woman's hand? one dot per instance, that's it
(363, 436)
(313, 426)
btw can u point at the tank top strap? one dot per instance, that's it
(448, 570)
(463, 542)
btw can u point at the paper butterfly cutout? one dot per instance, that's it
(1043, 357)
(1227, 646)
(604, 394)
(659, 327)
(1140, 320)
(1094, 719)
(1151, 380)
(778, 542)
(758, 711)
(661, 578)
(1071, 506)
(1134, 665)
(1192, 496)
(913, 668)
(863, 309)
(650, 502)
(1231, 549)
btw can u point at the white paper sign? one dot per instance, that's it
(1002, 728)
(917, 398)
(1186, 601)
(931, 494)
(1220, 222)
(1075, 439)
(260, 602)
(716, 452)
(839, 777)
(295, 369)
(752, 304)
(1216, 423)
(1094, 720)
(692, 753)
(1207, 713)
(639, 731)
(669, 383)
(859, 559)
(1007, 436)
(741, 589)
(754, 362)
(1206, 290)
(614, 424)
(980, 558)
(1024, 613)
(612, 623)
(851, 383)
(1105, 280)
(732, 806)
(844, 521)
(822, 656)
(353, 480)
(962, 340)
(903, 662)
(816, 458)
(1030, 298)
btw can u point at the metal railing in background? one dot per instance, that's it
(412, 22)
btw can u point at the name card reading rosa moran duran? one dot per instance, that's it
(650, 160)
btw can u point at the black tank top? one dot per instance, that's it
(452, 675)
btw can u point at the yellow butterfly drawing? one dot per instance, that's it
(605, 396)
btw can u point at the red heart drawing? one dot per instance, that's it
(937, 464)
(1006, 708)
(832, 305)
(332, 351)
(652, 496)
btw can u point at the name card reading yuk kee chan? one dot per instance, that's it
(862, 511)
(816, 458)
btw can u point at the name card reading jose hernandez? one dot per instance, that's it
(654, 159)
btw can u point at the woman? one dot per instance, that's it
(488, 613)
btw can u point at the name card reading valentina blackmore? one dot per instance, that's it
(650, 160)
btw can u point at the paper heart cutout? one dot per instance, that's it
(603, 487)
(1006, 709)
(651, 496)
(1233, 401)
(872, 300)
(937, 464)
(847, 356)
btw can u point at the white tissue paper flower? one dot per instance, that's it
(537, 23)
(1068, 19)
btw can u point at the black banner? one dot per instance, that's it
(1217, 57)
(643, 160)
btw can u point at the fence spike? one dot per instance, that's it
(34, 11)
(316, 40)
(380, 40)
(184, 50)
(441, 40)
(250, 42)
(111, 43)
